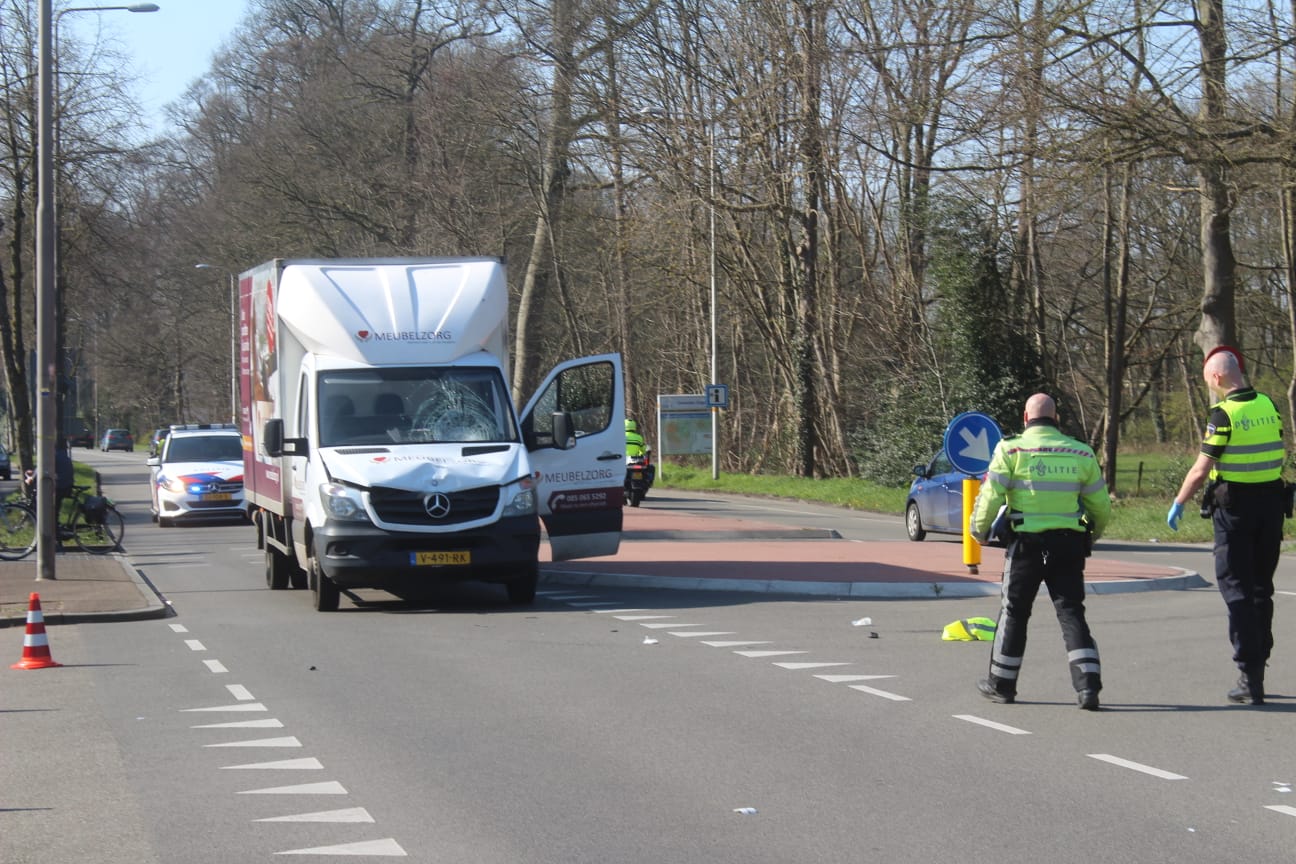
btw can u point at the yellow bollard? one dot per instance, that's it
(971, 548)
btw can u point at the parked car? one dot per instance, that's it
(198, 475)
(6, 470)
(155, 443)
(118, 439)
(935, 500)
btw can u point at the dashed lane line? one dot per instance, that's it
(308, 763)
(990, 724)
(239, 692)
(641, 617)
(195, 645)
(685, 634)
(1136, 766)
(894, 697)
(215, 666)
(846, 679)
(328, 787)
(737, 643)
(348, 814)
(662, 625)
(179, 628)
(797, 667)
(266, 723)
(1281, 808)
(387, 847)
(285, 741)
(241, 706)
(757, 655)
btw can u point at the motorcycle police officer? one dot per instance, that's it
(1057, 504)
(1242, 455)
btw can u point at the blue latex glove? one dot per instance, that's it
(1175, 514)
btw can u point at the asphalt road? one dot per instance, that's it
(628, 725)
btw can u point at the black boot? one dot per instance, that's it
(1249, 689)
(994, 693)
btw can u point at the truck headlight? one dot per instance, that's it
(342, 503)
(520, 498)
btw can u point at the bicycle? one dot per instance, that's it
(92, 522)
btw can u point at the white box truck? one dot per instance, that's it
(382, 448)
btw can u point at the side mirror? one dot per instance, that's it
(154, 461)
(272, 437)
(563, 436)
(920, 470)
(276, 445)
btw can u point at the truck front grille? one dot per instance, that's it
(398, 506)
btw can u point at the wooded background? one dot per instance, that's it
(908, 209)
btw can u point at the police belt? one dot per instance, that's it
(1237, 487)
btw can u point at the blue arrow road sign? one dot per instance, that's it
(970, 439)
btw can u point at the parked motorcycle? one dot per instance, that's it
(639, 478)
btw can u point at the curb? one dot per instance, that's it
(155, 605)
(1186, 580)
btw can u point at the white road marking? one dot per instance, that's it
(760, 654)
(1281, 808)
(195, 645)
(1136, 766)
(215, 666)
(641, 617)
(239, 692)
(795, 667)
(734, 644)
(687, 633)
(309, 763)
(242, 706)
(662, 625)
(613, 611)
(981, 721)
(1288, 593)
(350, 814)
(387, 847)
(842, 679)
(267, 723)
(894, 697)
(328, 787)
(179, 628)
(288, 741)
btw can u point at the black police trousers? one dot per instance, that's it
(1055, 559)
(1248, 522)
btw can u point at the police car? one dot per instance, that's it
(198, 475)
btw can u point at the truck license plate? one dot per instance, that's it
(425, 559)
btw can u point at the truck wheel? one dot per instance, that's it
(523, 591)
(276, 569)
(324, 591)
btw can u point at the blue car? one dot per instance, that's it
(935, 501)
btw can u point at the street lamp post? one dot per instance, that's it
(233, 328)
(60, 320)
(47, 361)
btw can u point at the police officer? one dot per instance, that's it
(1057, 504)
(1242, 456)
(637, 448)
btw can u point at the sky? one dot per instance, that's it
(168, 49)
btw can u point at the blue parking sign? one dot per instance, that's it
(970, 440)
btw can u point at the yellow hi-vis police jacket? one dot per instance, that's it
(1244, 435)
(1049, 481)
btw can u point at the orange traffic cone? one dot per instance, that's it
(36, 652)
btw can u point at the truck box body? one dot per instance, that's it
(406, 462)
